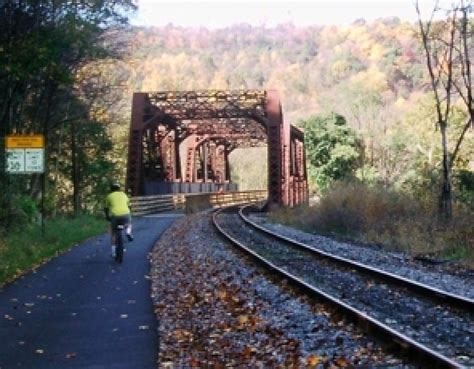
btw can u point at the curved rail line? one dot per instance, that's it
(433, 293)
(407, 346)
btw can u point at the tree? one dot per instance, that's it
(43, 44)
(333, 149)
(448, 47)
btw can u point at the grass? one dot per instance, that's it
(392, 220)
(23, 250)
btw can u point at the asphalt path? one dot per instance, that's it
(83, 310)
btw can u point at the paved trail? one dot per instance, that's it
(83, 310)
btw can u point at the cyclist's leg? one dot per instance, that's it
(128, 228)
(113, 225)
(123, 220)
(112, 234)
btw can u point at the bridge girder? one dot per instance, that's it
(167, 125)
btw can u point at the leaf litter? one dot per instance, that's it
(217, 310)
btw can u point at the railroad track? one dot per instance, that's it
(432, 327)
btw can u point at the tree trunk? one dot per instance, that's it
(445, 203)
(56, 165)
(75, 171)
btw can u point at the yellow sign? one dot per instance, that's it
(24, 142)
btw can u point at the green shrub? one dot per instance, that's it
(17, 212)
(464, 181)
(333, 149)
(28, 209)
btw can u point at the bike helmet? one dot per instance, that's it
(114, 186)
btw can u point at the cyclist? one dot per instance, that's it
(117, 211)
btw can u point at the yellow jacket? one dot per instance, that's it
(117, 203)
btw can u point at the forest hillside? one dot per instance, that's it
(373, 74)
(313, 68)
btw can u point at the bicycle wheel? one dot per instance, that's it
(119, 249)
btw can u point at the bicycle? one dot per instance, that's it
(119, 242)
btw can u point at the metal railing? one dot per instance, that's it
(142, 205)
(193, 203)
(203, 201)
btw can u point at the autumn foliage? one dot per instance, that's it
(214, 313)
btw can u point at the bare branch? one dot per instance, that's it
(460, 140)
(450, 65)
(467, 61)
(425, 30)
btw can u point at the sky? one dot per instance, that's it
(218, 14)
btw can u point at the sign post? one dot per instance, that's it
(25, 155)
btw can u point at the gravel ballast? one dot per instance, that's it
(445, 276)
(215, 309)
(439, 327)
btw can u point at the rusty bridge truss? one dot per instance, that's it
(180, 141)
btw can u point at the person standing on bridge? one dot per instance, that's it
(117, 211)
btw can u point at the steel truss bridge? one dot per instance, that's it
(180, 142)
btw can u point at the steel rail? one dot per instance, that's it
(433, 293)
(407, 346)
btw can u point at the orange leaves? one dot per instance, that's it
(228, 294)
(247, 321)
(243, 320)
(247, 352)
(194, 363)
(207, 317)
(222, 294)
(342, 362)
(182, 335)
(312, 361)
(212, 316)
